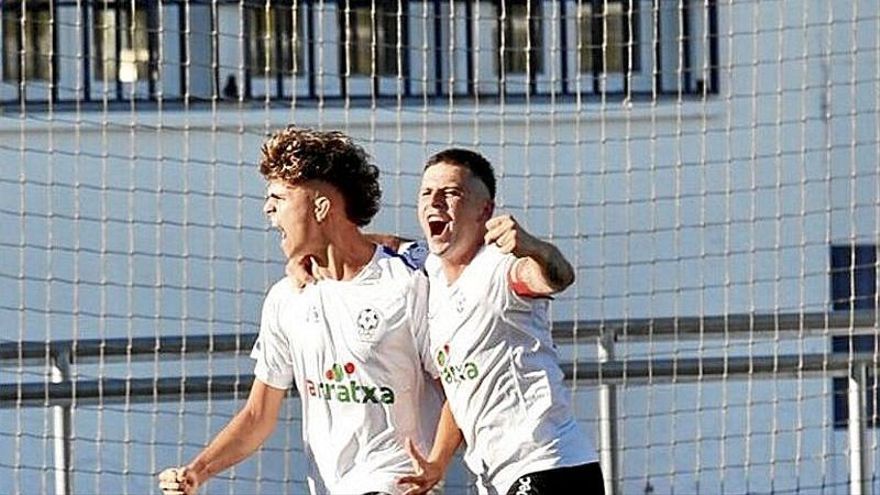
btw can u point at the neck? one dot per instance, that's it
(453, 264)
(345, 255)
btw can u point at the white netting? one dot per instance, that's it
(703, 163)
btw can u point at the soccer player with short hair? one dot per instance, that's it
(353, 343)
(490, 340)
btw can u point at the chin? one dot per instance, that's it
(437, 247)
(288, 252)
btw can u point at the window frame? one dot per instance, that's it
(278, 82)
(444, 47)
(377, 82)
(532, 58)
(21, 87)
(101, 85)
(629, 48)
(651, 72)
(853, 276)
(486, 33)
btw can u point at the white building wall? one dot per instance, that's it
(669, 207)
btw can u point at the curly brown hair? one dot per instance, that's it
(296, 155)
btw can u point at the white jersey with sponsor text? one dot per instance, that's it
(357, 352)
(499, 368)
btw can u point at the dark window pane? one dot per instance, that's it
(608, 38)
(121, 43)
(585, 38)
(11, 50)
(853, 286)
(841, 404)
(854, 277)
(105, 44)
(522, 45)
(271, 30)
(370, 33)
(291, 41)
(27, 41)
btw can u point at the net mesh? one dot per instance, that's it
(710, 167)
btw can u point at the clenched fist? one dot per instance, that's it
(178, 481)
(505, 232)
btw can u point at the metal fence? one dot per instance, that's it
(62, 393)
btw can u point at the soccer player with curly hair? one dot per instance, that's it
(354, 343)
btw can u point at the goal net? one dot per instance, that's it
(710, 167)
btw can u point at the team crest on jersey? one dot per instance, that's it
(312, 315)
(459, 301)
(368, 321)
(333, 387)
(455, 373)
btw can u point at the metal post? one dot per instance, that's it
(608, 418)
(859, 479)
(61, 425)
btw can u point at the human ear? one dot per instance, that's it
(322, 208)
(488, 210)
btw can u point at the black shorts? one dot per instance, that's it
(586, 479)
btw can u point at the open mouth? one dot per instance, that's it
(437, 227)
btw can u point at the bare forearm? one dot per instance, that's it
(557, 271)
(239, 439)
(447, 439)
(243, 435)
(545, 270)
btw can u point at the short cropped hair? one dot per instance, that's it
(296, 155)
(471, 160)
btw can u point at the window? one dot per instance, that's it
(629, 47)
(608, 37)
(853, 277)
(369, 34)
(522, 45)
(853, 287)
(124, 41)
(274, 46)
(27, 41)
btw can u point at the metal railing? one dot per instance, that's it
(61, 393)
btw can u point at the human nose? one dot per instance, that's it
(269, 206)
(437, 200)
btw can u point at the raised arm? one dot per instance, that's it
(240, 438)
(541, 269)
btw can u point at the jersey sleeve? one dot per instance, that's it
(274, 363)
(414, 253)
(418, 313)
(503, 290)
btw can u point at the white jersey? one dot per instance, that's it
(357, 352)
(495, 357)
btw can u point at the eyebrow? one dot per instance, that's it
(442, 188)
